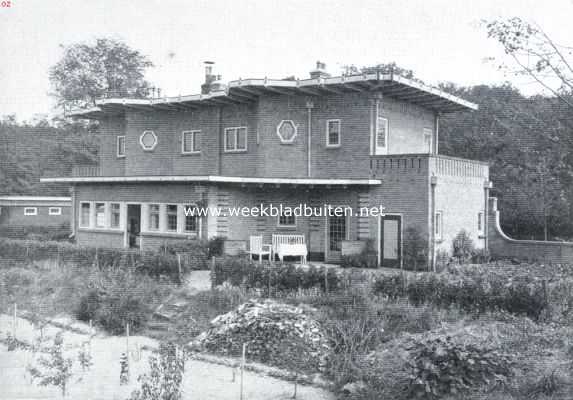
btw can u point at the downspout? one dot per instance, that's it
(436, 133)
(309, 107)
(73, 211)
(433, 183)
(487, 185)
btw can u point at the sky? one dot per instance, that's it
(441, 40)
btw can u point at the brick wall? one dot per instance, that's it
(14, 216)
(501, 245)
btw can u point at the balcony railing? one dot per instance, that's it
(423, 163)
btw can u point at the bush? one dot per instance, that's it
(415, 250)
(463, 247)
(441, 367)
(367, 258)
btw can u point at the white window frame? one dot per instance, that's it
(279, 126)
(328, 122)
(279, 225)
(104, 215)
(439, 225)
(194, 134)
(89, 214)
(146, 148)
(427, 133)
(481, 222)
(148, 216)
(167, 214)
(55, 211)
(120, 149)
(236, 149)
(184, 219)
(111, 212)
(30, 211)
(381, 150)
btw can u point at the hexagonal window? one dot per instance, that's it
(148, 140)
(286, 131)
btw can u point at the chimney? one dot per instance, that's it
(320, 71)
(209, 77)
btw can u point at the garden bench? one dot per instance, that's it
(289, 245)
(257, 247)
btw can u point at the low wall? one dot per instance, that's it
(501, 245)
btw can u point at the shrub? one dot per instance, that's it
(463, 247)
(367, 258)
(88, 306)
(415, 250)
(441, 367)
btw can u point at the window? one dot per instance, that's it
(148, 140)
(121, 146)
(427, 140)
(154, 217)
(286, 131)
(190, 220)
(236, 139)
(287, 220)
(100, 215)
(333, 133)
(171, 217)
(55, 211)
(30, 211)
(438, 224)
(191, 142)
(115, 210)
(381, 132)
(85, 211)
(480, 222)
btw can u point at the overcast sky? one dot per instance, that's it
(440, 40)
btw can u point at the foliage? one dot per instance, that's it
(49, 233)
(367, 258)
(163, 382)
(441, 367)
(463, 247)
(415, 250)
(106, 68)
(54, 369)
(200, 248)
(273, 279)
(383, 68)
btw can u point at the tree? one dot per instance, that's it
(383, 68)
(535, 54)
(108, 68)
(54, 369)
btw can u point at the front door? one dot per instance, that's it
(337, 228)
(391, 243)
(133, 225)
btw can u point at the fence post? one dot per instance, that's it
(179, 266)
(326, 280)
(15, 320)
(127, 348)
(243, 368)
(213, 274)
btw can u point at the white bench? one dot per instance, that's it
(289, 245)
(257, 247)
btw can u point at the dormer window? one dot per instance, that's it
(191, 142)
(148, 140)
(236, 139)
(120, 146)
(286, 131)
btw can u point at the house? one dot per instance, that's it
(360, 141)
(29, 212)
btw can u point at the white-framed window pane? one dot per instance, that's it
(241, 138)
(287, 220)
(480, 221)
(100, 215)
(197, 141)
(121, 146)
(187, 142)
(333, 136)
(427, 140)
(30, 211)
(115, 209)
(381, 132)
(154, 217)
(230, 139)
(85, 214)
(55, 211)
(438, 225)
(171, 210)
(191, 221)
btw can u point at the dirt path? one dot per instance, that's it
(202, 380)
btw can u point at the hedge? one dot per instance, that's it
(151, 263)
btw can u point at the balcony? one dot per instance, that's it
(433, 165)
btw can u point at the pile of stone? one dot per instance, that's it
(275, 333)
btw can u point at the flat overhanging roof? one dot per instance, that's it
(214, 179)
(35, 201)
(248, 91)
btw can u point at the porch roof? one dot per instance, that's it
(248, 91)
(215, 179)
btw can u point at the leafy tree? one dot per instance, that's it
(54, 369)
(535, 54)
(108, 68)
